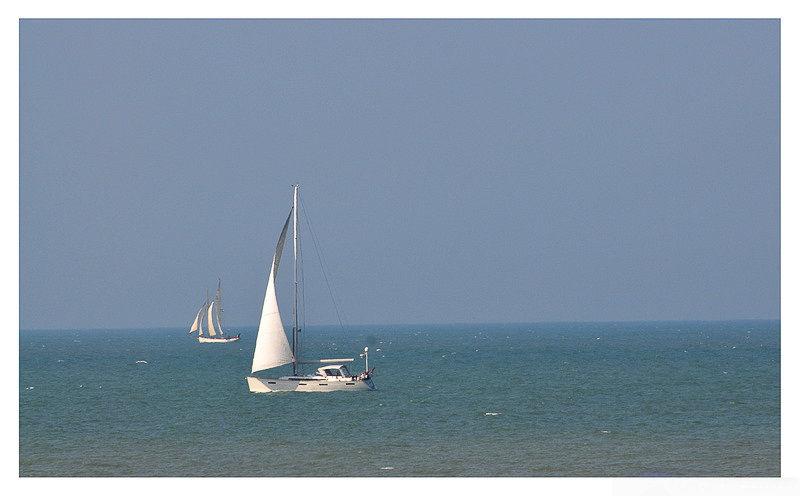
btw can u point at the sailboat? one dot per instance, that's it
(272, 346)
(214, 335)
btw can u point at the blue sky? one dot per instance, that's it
(454, 171)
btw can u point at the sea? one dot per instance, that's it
(627, 399)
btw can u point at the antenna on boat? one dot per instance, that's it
(365, 355)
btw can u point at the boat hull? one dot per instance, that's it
(204, 339)
(307, 384)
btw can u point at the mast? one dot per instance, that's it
(295, 329)
(219, 306)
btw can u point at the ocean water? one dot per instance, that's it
(689, 399)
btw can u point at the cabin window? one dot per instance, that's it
(346, 372)
(333, 372)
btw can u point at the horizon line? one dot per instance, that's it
(255, 327)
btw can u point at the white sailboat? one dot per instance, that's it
(273, 350)
(214, 335)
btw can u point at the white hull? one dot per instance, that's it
(204, 339)
(308, 384)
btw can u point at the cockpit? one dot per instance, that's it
(334, 372)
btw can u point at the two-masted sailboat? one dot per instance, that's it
(214, 335)
(272, 346)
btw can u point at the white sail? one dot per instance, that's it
(202, 318)
(211, 331)
(196, 320)
(272, 346)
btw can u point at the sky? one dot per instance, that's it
(454, 171)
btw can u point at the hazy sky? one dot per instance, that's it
(454, 171)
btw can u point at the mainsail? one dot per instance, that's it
(272, 346)
(219, 306)
(211, 331)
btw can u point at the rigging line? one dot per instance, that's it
(301, 303)
(302, 289)
(322, 262)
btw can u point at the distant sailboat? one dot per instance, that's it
(273, 350)
(208, 309)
